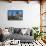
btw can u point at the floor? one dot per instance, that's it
(35, 43)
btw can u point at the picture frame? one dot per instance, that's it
(15, 14)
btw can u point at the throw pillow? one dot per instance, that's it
(23, 30)
(17, 30)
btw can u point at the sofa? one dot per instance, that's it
(22, 34)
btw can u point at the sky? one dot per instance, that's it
(14, 12)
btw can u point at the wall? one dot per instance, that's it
(31, 14)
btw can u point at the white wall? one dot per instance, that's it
(31, 14)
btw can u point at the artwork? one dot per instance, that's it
(15, 14)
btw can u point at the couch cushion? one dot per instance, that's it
(20, 37)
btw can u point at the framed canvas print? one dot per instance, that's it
(15, 14)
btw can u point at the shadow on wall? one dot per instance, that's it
(14, 0)
(4, 0)
(40, 1)
(21, 0)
